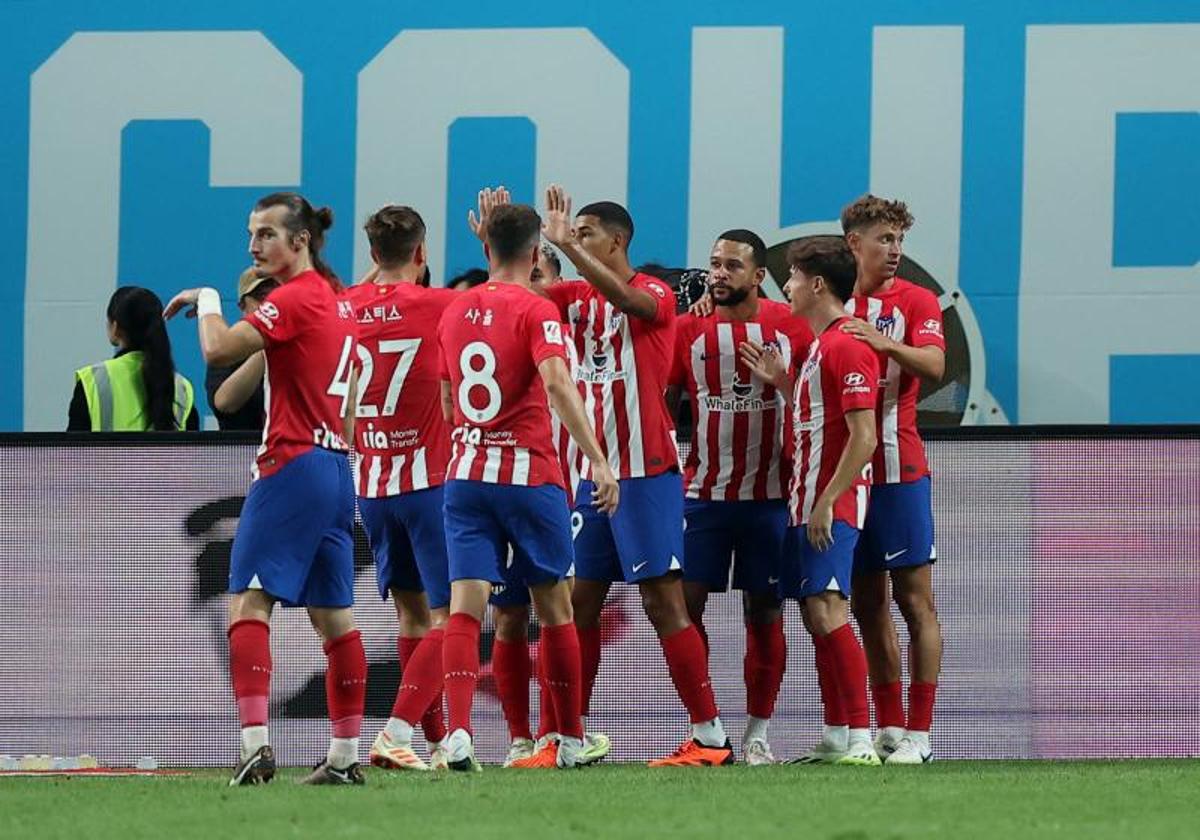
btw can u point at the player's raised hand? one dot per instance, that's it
(556, 221)
(820, 526)
(607, 492)
(704, 307)
(184, 300)
(867, 333)
(765, 363)
(489, 199)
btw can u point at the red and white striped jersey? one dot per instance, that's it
(910, 314)
(571, 460)
(840, 374)
(737, 451)
(624, 363)
(493, 337)
(401, 441)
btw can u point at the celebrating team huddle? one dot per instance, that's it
(514, 444)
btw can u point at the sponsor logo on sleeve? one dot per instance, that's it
(933, 326)
(268, 313)
(553, 332)
(855, 383)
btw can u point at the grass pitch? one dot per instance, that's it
(1144, 799)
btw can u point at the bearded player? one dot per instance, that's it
(737, 474)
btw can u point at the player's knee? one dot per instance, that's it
(665, 609)
(331, 623)
(761, 609)
(870, 605)
(414, 626)
(512, 623)
(587, 609)
(438, 617)
(825, 613)
(696, 602)
(917, 608)
(824, 622)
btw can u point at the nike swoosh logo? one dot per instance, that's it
(772, 580)
(341, 775)
(892, 555)
(637, 567)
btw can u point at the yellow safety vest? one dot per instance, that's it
(116, 396)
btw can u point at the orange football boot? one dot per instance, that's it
(545, 758)
(692, 753)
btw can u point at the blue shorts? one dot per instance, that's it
(807, 572)
(483, 520)
(898, 532)
(295, 540)
(746, 535)
(513, 593)
(641, 541)
(409, 543)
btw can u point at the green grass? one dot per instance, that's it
(962, 799)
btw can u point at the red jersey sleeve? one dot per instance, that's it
(857, 369)
(280, 317)
(925, 320)
(544, 332)
(679, 359)
(664, 298)
(563, 294)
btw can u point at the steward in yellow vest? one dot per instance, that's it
(139, 389)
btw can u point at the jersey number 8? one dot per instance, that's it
(478, 377)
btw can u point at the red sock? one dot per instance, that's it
(547, 719)
(421, 679)
(250, 669)
(920, 706)
(589, 658)
(831, 697)
(511, 670)
(346, 683)
(460, 663)
(559, 649)
(703, 631)
(688, 664)
(847, 657)
(766, 658)
(889, 704)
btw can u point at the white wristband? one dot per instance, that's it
(208, 302)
